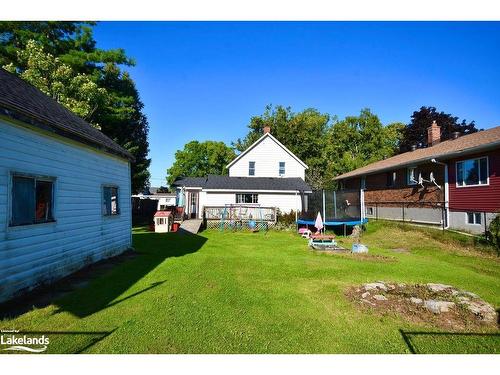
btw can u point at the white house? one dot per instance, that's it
(266, 174)
(164, 200)
(64, 190)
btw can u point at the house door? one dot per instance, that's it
(193, 204)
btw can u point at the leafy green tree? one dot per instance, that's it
(71, 44)
(359, 140)
(199, 159)
(302, 133)
(415, 133)
(78, 92)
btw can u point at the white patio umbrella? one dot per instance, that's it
(319, 222)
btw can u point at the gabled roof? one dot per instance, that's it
(467, 144)
(214, 182)
(267, 135)
(23, 102)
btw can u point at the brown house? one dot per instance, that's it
(454, 183)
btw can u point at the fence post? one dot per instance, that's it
(376, 210)
(443, 216)
(485, 227)
(403, 206)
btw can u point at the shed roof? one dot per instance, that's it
(22, 101)
(467, 144)
(163, 213)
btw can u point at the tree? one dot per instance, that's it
(199, 159)
(71, 44)
(302, 133)
(78, 92)
(415, 133)
(359, 140)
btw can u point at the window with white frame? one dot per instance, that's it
(474, 218)
(32, 200)
(412, 176)
(110, 201)
(251, 168)
(247, 198)
(281, 168)
(472, 172)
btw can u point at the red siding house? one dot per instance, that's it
(453, 183)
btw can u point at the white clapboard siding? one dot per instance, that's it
(35, 254)
(267, 154)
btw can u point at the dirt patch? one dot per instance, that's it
(441, 306)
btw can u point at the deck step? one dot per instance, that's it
(191, 225)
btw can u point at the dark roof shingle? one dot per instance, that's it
(244, 183)
(22, 101)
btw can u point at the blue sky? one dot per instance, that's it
(204, 80)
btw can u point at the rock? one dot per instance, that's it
(463, 299)
(482, 310)
(365, 294)
(380, 297)
(374, 286)
(438, 287)
(391, 286)
(470, 294)
(402, 285)
(437, 307)
(416, 301)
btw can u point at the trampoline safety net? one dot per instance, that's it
(334, 206)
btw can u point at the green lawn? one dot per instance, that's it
(264, 293)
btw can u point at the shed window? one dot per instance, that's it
(110, 201)
(251, 168)
(32, 200)
(281, 168)
(247, 198)
(472, 172)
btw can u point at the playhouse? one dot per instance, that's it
(163, 221)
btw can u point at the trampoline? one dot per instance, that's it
(342, 208)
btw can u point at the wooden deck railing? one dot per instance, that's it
(240, 212)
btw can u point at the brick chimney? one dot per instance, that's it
(433, 134)
(267, 129)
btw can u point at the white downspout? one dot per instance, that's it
(446, 192)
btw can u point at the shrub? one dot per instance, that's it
(494, 233)
(285, 220)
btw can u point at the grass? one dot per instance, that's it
(264, 293)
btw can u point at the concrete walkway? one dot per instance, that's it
(191, 225)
